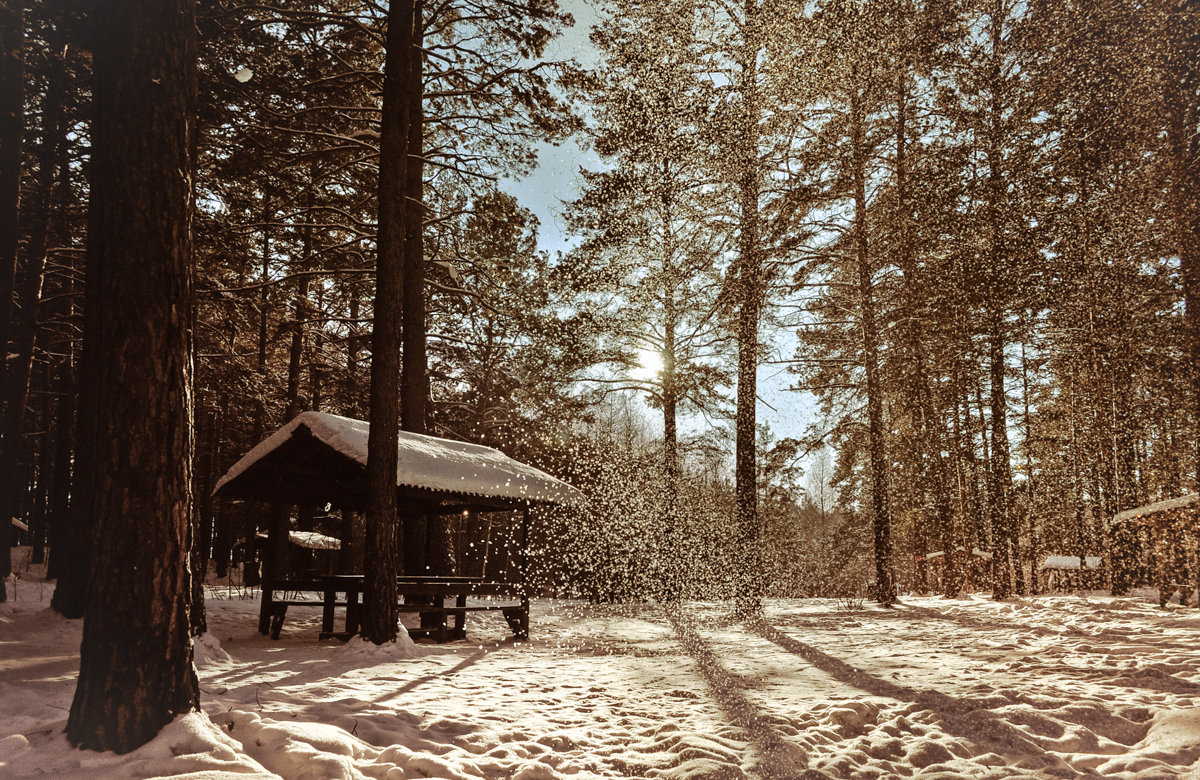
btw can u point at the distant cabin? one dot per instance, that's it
(977, 573)
(1064, 572)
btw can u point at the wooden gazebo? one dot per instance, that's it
(319, 459)
(1158, 544)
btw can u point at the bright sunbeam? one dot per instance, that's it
(650, 364)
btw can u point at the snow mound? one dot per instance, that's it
(360, 652)
(206, 649)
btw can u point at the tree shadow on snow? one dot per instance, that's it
(775, 757)
(965, 718)
(417, 682)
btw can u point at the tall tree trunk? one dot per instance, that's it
(12, 115)
(136, 671)
(427, 546)
(1181, 97)
(999, 474)
(301, 306)
(379, 617)
(881, 521)
(62, 348)
(1030, 479)
(37, 524)
(999, 466)
(18, 371)
(60, 484)
(668, 559)
(414, 381)
(12, 126)
(749, 292)
(936, 483)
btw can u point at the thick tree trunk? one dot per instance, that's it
(136, 670)
(379, 616)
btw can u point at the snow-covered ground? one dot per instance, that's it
(1055, 686)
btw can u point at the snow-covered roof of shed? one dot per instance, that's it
(978, 553)
(1069, 562)
(1158, 506)
(424, 462)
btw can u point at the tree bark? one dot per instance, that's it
(1181, 97)
(414, 382)
(669, 559)
(749, 292)
(881, 521)
(12, 115)
(136, 671)
(934, 471)
(379, 616)
(12, 126)
(426, 537)
(18, 372)
(1000, 468)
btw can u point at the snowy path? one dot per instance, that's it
(1045, 687)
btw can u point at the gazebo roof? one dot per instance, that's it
(1169, 505)
(321, 458)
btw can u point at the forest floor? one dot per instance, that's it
(1077, 685)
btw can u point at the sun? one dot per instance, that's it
(650, 364)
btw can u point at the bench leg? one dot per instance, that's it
(518, 620)
(460, 620)
(278, 612)
(353, 611)
(327, 605)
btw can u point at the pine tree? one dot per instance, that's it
(136, 669)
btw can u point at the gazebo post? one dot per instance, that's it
(274, 564)
(524, 573)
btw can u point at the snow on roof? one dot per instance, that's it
(1158, 506)
(314, 541)
(310, 540)
(1069, 562)
(987, 556)
(425, 462)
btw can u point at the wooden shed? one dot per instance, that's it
(319, 460)
(976, 571)
(1066, 572)
(1159, 545)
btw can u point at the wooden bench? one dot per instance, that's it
(424, 596)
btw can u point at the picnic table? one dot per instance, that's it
(426, 596)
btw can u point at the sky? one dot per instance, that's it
(787, 412)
